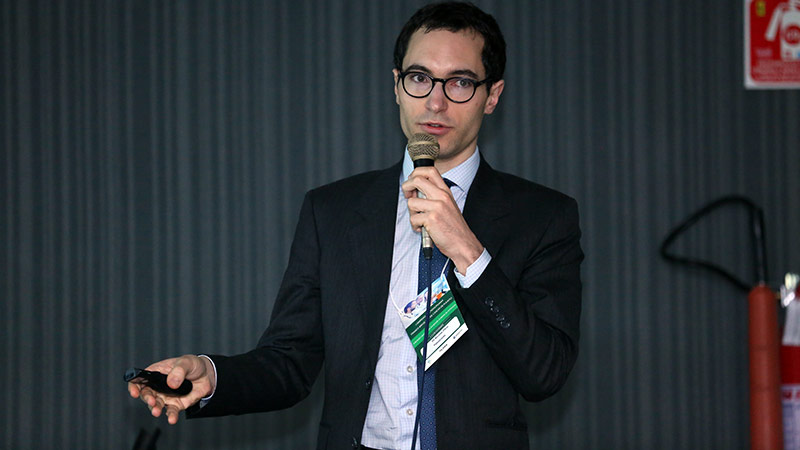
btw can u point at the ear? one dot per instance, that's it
(396, 79)
(494, 96)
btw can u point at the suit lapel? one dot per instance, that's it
(371, 237)
(485, 206)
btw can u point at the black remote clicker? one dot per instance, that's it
(156, 381)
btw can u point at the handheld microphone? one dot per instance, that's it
(423, 150)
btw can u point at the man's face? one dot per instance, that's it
(444, 54)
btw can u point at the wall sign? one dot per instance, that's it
(772, 43)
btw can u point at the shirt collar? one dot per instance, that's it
(462, 175)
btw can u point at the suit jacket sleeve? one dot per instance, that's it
(525, 306)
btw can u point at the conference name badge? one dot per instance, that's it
(446, 322)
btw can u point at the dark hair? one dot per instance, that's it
(457, 16)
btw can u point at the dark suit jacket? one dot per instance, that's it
(332, 302)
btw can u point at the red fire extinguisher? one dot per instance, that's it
(766, 419)
(766, 430)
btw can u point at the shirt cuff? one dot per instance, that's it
(475, 270)
(205, 400)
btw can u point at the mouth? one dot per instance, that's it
(434, 128)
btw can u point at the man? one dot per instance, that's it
(514, 258)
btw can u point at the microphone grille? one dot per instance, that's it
(422, 145)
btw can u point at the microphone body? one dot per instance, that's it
(423, 150)
(427, 242)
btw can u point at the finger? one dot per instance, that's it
(188, 367)
(431, 174)
(178, 373)
(431, 207)
(409, 192)
(133, 390)
(148, 396)
(163, 366)
(173, 414)
(416, 221)
(419, 205)
(417, 188)
(158, 408)
(431, 189)
(423, 173)
(410, 187)
(426, 171)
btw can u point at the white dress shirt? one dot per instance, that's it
(393, 401)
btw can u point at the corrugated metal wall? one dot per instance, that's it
(154, 155)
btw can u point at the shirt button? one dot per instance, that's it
(410, 369)
(409, 412)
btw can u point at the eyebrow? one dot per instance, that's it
(460, 72)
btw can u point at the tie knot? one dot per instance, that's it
(449, 183)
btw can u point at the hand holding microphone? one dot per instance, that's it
(433, 210)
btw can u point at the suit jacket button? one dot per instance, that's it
(500, 318)
(489, 302)
(495, 309)
(504, 324)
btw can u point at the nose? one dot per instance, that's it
(436, 100)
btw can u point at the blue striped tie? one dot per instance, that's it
(427, 412)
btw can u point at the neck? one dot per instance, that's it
(445, 164)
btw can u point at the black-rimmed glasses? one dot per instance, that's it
(456, 89)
